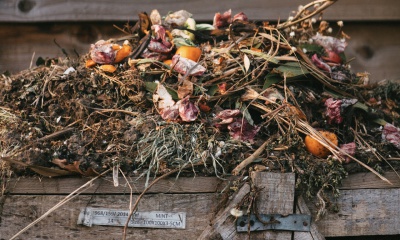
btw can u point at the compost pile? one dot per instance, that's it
(208, 99)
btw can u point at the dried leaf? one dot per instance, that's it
(185, 89)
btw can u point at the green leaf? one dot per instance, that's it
(212, 90)
(204, 26)
(270, 79)
(152, 86)
(291, 70)
(312, 48)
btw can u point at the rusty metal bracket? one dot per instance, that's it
(291, 222)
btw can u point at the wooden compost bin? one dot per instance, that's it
(30, 28)
(367, 206)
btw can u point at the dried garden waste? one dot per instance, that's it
(226, 98)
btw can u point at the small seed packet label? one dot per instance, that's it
(114, 217)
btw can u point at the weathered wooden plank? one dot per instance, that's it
(55, 186)
(314, 234)
(223, 225)
(369, 180)
(362, 212)
(50, 10)
(19, 42)
(21, 210)
(276, 197)
(170, 185)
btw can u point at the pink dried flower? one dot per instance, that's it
(333, 110)
(320, 64)
(391, 134)
(187, 110)
(240, 17)
(102, 52)
(222, 20)
(239, 128)
(350, 149)
(186, 66)
(160, 35)
(330, 43)
(158, 47)
(170, 113)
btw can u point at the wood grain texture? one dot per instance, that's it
(276, 197)
(373, 45)
(369, 180)
(103, 10)
(313, 234)
(362, 212)
(223, 225)
(20, 210)
(64, 186)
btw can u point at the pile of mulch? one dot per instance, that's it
(246, 104)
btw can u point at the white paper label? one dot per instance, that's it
(113, 217)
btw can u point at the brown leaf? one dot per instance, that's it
(186, 89)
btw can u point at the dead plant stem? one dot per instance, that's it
(133, 209)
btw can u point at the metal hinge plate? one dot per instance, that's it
(291, 222)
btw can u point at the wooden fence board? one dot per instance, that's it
(313, 234)
(103, 10)
(63, 186)
(362, 212)
(369, 180)
(276, 196)
(21, 210)
(56, 186)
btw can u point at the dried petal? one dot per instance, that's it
(187, 110)
(350, 149)
(154, 55)
(102, 52)
(160, 35)
(222, 20)
(332, 57)
(330, 43)
(240, 17)
(333, 110)
(241, 129)
(228, 113)
(158, 47)
(170, 113)
(155, 17)
(391, 134)
(320, 64)
(186, 66)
